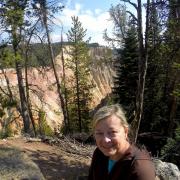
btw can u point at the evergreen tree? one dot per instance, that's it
(12, 19)
(79, 94)
(142, 58)
(126, 59)
(125, 82)
(172, 36)
(154, 107)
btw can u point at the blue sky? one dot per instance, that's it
(94, 4)
(93, 15)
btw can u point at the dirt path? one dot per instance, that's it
(55, 164)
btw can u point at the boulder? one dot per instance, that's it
(166, 170)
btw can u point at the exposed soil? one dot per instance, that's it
(54, 162)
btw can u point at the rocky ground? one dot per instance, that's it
(57, 159)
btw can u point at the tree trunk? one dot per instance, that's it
(27, 93)
(68, 128)
(54, 68)
(24, 107)
(172, 116)
(9, 93)
(142, 68)
(77, 95)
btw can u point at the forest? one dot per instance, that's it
(145, 59)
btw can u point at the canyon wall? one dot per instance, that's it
(43, 88)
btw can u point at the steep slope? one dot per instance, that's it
(43, 89)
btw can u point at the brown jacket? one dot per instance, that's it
(135, 165)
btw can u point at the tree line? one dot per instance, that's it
(149, 62)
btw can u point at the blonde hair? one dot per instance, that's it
(110, 110)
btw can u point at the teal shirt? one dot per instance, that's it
(111, 163)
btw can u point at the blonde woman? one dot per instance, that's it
(115, 158)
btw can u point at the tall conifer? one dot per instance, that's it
(126, 68)
(79, 94)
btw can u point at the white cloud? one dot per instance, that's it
(98, 11)
(95, 22)
(78, 7)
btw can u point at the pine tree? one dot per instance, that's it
(79, 94)
(127, 67)
(172, 36)
(154, 107)
(12, 19)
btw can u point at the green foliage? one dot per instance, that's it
(5, 104)
(176, 91)
(43, 127)
(155, 108)
(39, 54)
(8, 103)
(14, 12)
(177, 134)
(6, 57)
(78, 95)
(171, 151)
(170, 144)
(12, 20)
(162, 90)
(2, 113)
(6, 132)
(126, 66)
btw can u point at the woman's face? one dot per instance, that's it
(111, 137)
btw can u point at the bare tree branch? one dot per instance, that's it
(133, 4)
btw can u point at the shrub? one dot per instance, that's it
(6, 132)
(171, 151)
(44, 128)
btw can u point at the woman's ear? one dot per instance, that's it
(126, 130)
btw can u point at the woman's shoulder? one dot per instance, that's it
(140, 153)
(134, 152)
(142, 163)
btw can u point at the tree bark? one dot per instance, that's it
(68, 128)
(77, 94)
(142, 68)
(24, 107)
(27, 91)
(53, 66)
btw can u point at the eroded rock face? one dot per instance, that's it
(101, 71)
(43, 93)
(166, 171)
(15, 165)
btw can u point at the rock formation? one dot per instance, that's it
(43, 89)
(166, 171)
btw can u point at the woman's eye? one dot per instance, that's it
(98, 133)
(113, 133)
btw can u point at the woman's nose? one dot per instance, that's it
(106, 138)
